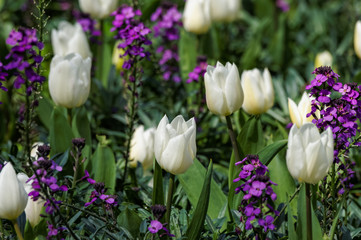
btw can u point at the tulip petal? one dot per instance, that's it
(295, 156)
(233, 89)
(294, 113)
(254, 102)
(214, 95)
(161, 138)
(268, 88)
(13, 197)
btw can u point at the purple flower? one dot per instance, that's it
(155, 226)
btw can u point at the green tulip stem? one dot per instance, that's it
(308, 212)
(17, 230)
(100, 54)
(232, 135)
(169, 199)
(1, 229)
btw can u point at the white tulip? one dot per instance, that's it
(70, 39)
(298, 112)
(357, 39)
(142, 147)
(69, 80)
(309, 153)
(224, 94)
(323, 59)
(258, 91)
(33, 208)
(225, 10)
(13, 197)
(98, 8)
(196, 16)
(175, 144)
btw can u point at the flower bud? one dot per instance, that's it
(298, 113)
(196, 16)
(309, 153)
(258, 91)
(69, 80)
(33, 208)
(34, 149)
(13, 197)
(224, 92)
(224, 10)
(70, 39)
(323, 59)
(175, 144)
(357, 39)
(98, 8)
(142, 147)
(118, 58)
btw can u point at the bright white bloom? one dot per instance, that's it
(225, 10)
(258, 91)
(196, 16)
(98, 8)
(142, 147)
(224, 92)
(175, 144)
(298, 112)
(33, 208)
(323, 59)
(70, 39)
(69, 80)
(357, 39)
(309, 153)
(13, 197)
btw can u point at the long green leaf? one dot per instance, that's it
(195, 228)
(130, 221)
(60, 131)
(267, 153)
(158, 196)
(191, 182)
(103, 166)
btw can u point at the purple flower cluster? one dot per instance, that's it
(88, 24)
(258, 196)
(24, 59)
(283, 5)
(99, 193)
(1, 167)
(45, 170)
(199, 70)
(168, 20)
(3, 75)
(132, 34)
(339, 107)
(155, 225)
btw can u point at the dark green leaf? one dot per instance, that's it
(197, 223)
(267, 153)
(60, 131)
(158, 197)
(129, 220)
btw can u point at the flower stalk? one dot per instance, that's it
(308, 212)
(17, 230)
(169, 198)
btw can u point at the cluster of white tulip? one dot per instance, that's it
(199, 14)
(357, 39)
(226, 92)
(98, 8)
(173, 145)
(14, 198)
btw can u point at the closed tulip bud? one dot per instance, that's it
(70, 39)
(196, 16)
(175, 144)
(309, 153)
(323, 59)
(69, 80)
(33, 208)
(258, 91)
(13, 197)
(298, 113)
(118, 58)
(98, 8)
(357, 39)
(225, 10)
(142, 147)
(224, 92)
